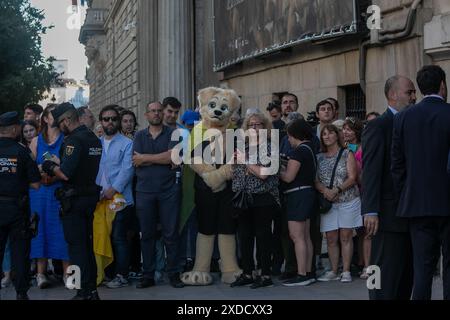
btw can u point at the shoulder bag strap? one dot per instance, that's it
(341, 152)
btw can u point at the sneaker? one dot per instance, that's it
(6, 282)
(298, 281)
(118, 282)
(135, 275)
(346, 277)
(287, 276)
(364, 275)
(329, 276)
(243, 280)
(42, 281)
(262, 282)
(65, 277)
(312, 277)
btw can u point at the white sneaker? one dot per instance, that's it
(364, 275)
(346, 277)
(42, 281)
(6, 282)
(328, 276)
(118, 282)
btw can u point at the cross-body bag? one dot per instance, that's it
(325, 204)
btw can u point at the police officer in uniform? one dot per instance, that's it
(78, 168)
(18, 172)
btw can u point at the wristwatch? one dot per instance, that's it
(339, 189)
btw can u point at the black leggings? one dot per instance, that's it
(256, 222)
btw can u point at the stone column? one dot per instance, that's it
(147, 36)
(175, 47)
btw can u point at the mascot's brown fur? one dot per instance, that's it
(217, 106)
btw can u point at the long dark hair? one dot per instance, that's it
(28, 123)
(44, 125)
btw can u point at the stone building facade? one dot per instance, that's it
(144, 50)
(139, 51)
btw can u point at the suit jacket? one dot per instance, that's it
(378, 194)
(420, 149)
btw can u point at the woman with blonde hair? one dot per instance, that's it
(260, 190)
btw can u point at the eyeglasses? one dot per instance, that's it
(255, 125)
(155, 111)
(108, 119)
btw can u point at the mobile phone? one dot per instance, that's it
(47, 156)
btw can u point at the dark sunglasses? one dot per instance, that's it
(108, 119)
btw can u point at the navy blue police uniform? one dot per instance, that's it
(17, 172)
(80, 159)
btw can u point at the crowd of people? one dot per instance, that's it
(345, 163)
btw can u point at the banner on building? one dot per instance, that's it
(245, 29)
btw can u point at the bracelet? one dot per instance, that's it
(339, 189)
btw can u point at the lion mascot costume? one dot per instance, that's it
(212, 185)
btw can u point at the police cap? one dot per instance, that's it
(60, 110)
(9, 118)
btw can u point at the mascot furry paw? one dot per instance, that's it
(213, 190)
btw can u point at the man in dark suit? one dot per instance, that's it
(391, 244)
(420, 148)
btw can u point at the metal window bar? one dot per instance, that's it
(355, 102)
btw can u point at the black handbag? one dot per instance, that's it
(323, 203)
(242, 200)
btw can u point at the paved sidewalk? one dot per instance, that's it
(318, 291)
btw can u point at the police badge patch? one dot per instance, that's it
(69, 150)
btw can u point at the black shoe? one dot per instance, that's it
(189, 265)
(298, 281)
(93, 296)
(22, 296)
(287, 276)
(262, 282)
(79, 296)
(243, 280)
(175, 281)
(145, 283)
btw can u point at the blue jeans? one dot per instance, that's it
(166, 206)
(160, 256)
(120, 243)
(6, 267)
